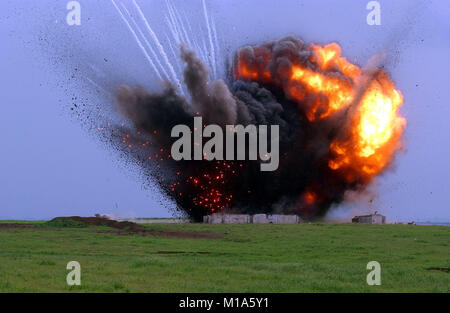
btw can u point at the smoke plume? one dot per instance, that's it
(339, 128)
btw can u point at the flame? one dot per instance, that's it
(376, 131)
(339, 93)
(329, 56)
(309, 197)
(328, 84)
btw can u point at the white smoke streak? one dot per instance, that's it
(173, 25)
(216, 41)
(193, 43)
(178, 23)
(181, 31)
(172, 30)
(137, 40)
(97, 85)
(201, 53)
(213, 54)
(175, 55)
(146, 41)
(159, 46)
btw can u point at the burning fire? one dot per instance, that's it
(339, 124)
(375, 134)
(329, 84)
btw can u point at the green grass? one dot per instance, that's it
(249, 258)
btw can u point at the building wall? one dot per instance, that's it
(215, 218)
(370, 219)
(285, 219)
(378, 219)
(260, 219)
(236, 218)
(365, 219)
(218, 218)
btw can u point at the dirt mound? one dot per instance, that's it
(128, 228)
(101, 221)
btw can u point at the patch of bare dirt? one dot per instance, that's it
(442, 269)
(182, 252)
(186, 234)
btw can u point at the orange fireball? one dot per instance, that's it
(325, 84)
(375, 134)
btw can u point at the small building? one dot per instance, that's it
(370, 219)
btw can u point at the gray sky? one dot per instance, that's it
(52, 165)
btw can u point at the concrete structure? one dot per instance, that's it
(144, 220)
(236, 219)
(215, 218)
(260, 219)
(218, 218)
(370, 219)
(284, 219)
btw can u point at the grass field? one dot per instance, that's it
(248, 258)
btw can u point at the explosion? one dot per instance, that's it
(339, 128)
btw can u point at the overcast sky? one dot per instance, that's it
(51, 164)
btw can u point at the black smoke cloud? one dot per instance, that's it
(242, 187)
